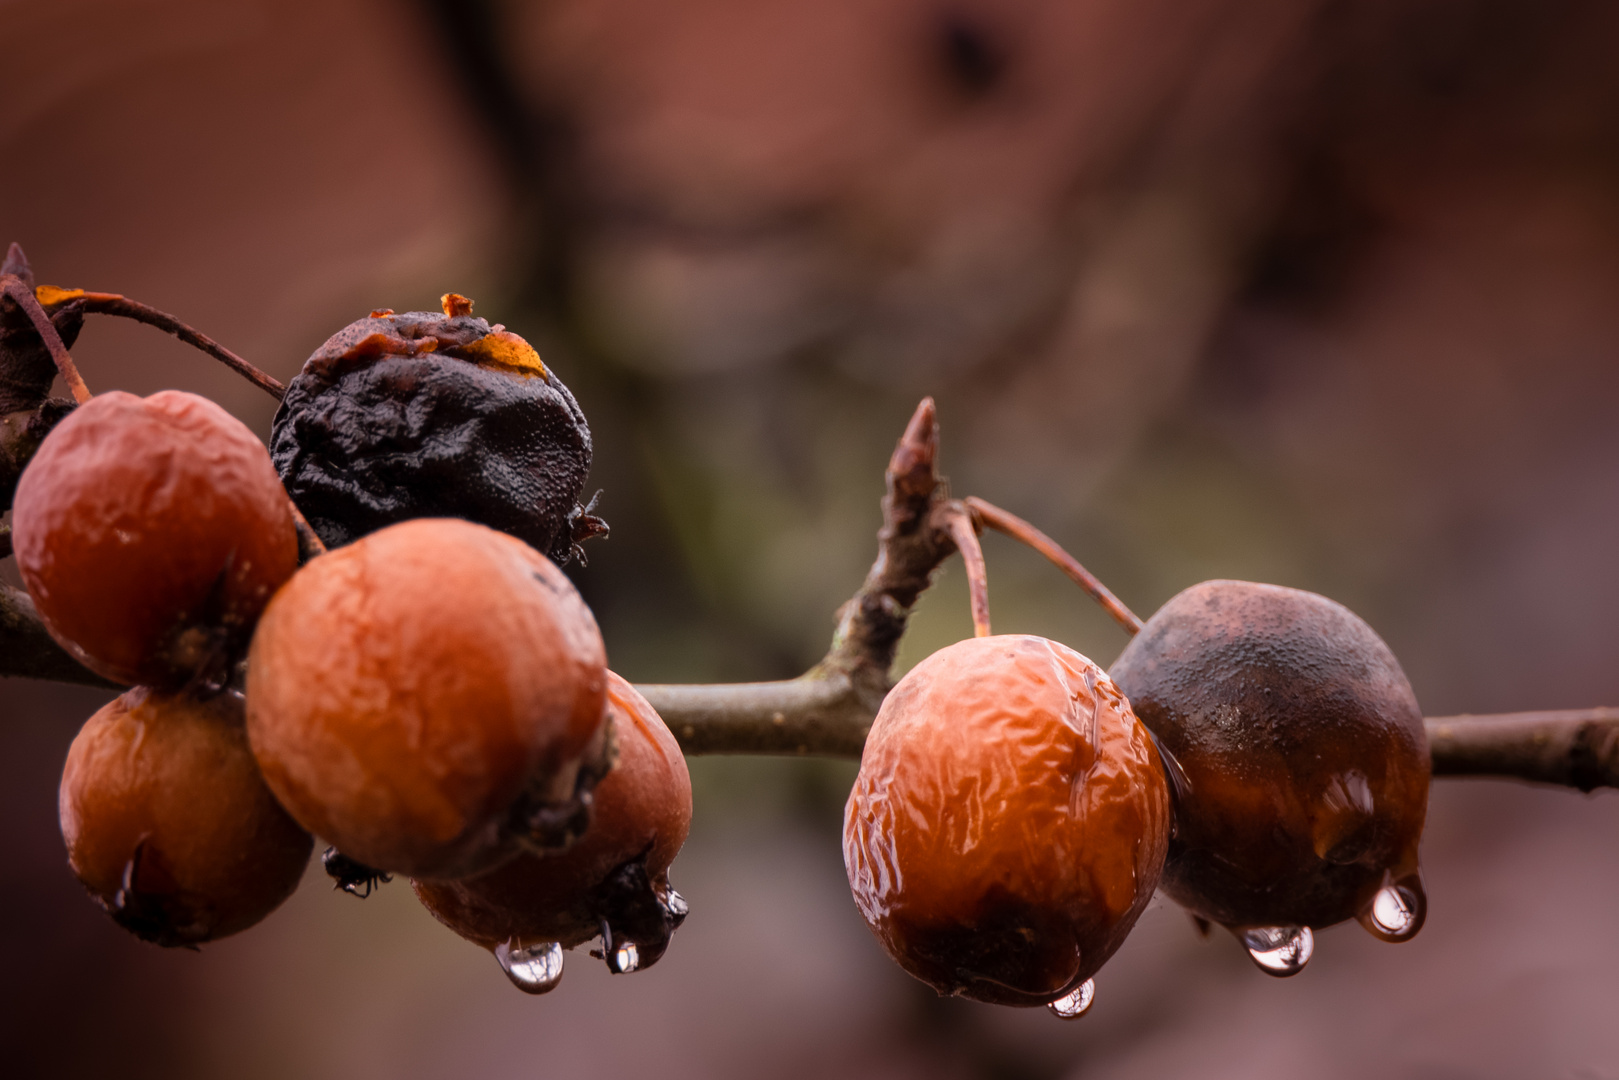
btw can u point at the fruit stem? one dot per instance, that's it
(959, 524)
(113, 304)
(19, 291)
(992, 516)
(309, 541)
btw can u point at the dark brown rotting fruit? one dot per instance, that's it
(1301, 762)
(421, 414)
(151, 533)
(409, 692)
(168, 823)
(1008, 824)
(613, 881)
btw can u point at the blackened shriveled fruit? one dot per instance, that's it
(168, 823)
(1302, 758)
(426, 415)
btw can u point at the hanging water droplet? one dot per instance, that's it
(1073, 1005)
(1397, 912)
(533, 969)
(1279, 950)
(676, 906)
(626, 958)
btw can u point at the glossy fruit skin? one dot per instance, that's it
(1009, 821)
(404, 691)
(617, 872)
(1301, 745)
(151, 532)
(168, 823)
(427, 415)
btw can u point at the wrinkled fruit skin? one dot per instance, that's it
(404, 691)
(1302, 747)
(151, 533)
(1009, 821)
(425, 415)
(617, 872)
(168, 823)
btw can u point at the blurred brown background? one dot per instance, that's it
(1322, 292)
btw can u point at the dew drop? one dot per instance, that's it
(533, 969)
(1073, 1005)
(1397, 912)
(626, 958)
(1279, 950)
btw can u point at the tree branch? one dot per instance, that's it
(27, 648)
(1572, 748)
(828, 710)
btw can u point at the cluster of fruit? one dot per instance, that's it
(1256, 753)
(431, 697)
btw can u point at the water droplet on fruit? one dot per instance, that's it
(1397, 912)
(1279, 950)
(533, 969)
(625, 959)
(1073, 1005)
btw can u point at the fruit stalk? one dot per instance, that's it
(95, 303)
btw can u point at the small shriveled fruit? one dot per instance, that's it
(1009, 821)
(150, 533)
(1302, 758)
(414, 696)
(614, 881)
(419, 414)
(168, 823)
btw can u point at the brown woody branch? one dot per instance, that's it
(828, 710)
(1574, 748)
(27, 648)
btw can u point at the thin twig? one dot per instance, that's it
(1018, 529)
(960, 526)
(18, 290)
(113, 304)
(829, 709)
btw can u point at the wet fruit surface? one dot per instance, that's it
(427, 415)
(1301, 751)
(150, 533)
(168, 823)
(1009, 821)
(617, 874)
(405, 690)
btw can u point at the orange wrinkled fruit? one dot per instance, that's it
(405, 693)
(1009, 821)
(151, 532)
(615, 876)
(168, 823)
